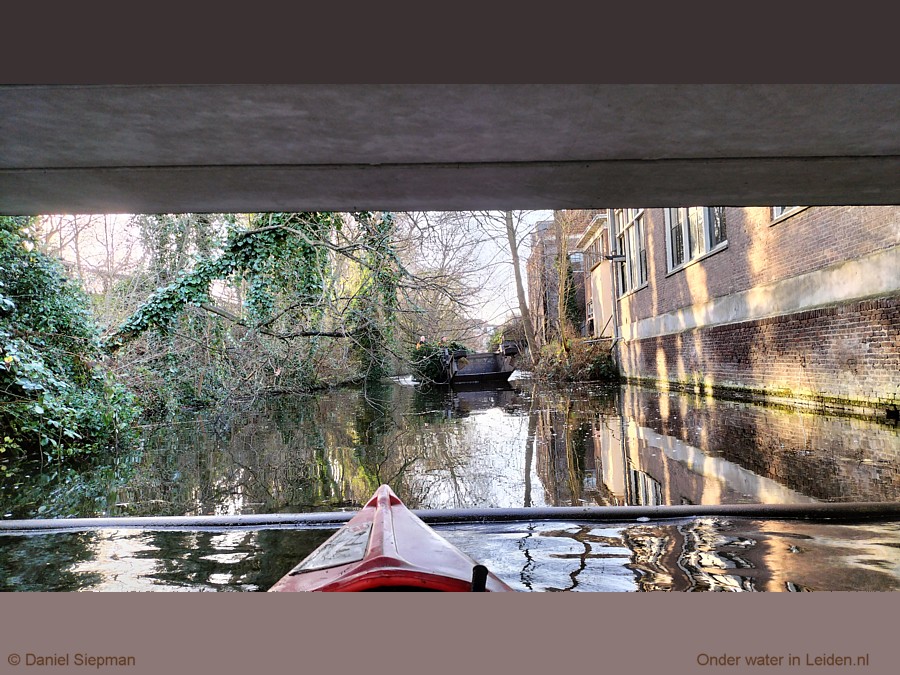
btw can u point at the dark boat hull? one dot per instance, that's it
(500, 376)
(481, 367)
(386, 547)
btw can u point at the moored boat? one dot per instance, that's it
(386, 547)
(497, 366)
(480, 367)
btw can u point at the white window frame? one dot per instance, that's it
(693, 246)
(631, 241)
(779, 212)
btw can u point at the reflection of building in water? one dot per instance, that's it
(630, 475)
(718, 554)
(677, 449)
(698, 554)
(638, 466)
(641, 467)
(616, 463)
(705, 554)
(825, 457)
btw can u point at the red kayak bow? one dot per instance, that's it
(386, 547)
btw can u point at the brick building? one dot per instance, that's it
(800, 304)
(542, 270)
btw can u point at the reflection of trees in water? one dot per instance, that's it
(46, 562)
(444, 453)
(34, 489)
(321, 452)
(454, 436)
(235, 559)
(449, 448)
(256, 461)
(526, 574)
(563, 422)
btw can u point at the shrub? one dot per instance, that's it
(428, 361)
(56, 401)
(585, 361)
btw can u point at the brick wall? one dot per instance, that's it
(760, 252)
(845, 357)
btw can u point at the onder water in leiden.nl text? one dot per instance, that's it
(704, 659)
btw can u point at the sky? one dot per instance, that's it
(499, 299)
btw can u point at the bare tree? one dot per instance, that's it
(442, 251)
(514, 228)
(62, 237)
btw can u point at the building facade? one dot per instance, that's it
(792, 303)
(542, 268)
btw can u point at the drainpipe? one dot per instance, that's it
(615, 257)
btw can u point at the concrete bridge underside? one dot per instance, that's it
(244, 148)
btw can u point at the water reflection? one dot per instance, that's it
(751, 453)
(690, 555)
(135, 560)
(520, 444)
(637, 446)
(700, 554)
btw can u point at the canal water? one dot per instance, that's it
(520, 445)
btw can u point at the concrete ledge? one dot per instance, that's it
(588, 183)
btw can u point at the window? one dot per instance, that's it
(596, 250)
(778, 211)
(576, 259)
(645, 489)
(693, 232)
(631, 242)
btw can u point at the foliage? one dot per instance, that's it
(583, 361)
(310, 300)
(430, 361)
(575, 309)
(512, 330)
(374, 304)
(260, 254)
(56, 401)
(287, 265)
(172, 239)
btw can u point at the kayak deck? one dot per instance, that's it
(386, 547)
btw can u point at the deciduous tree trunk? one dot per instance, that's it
(520, 287)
